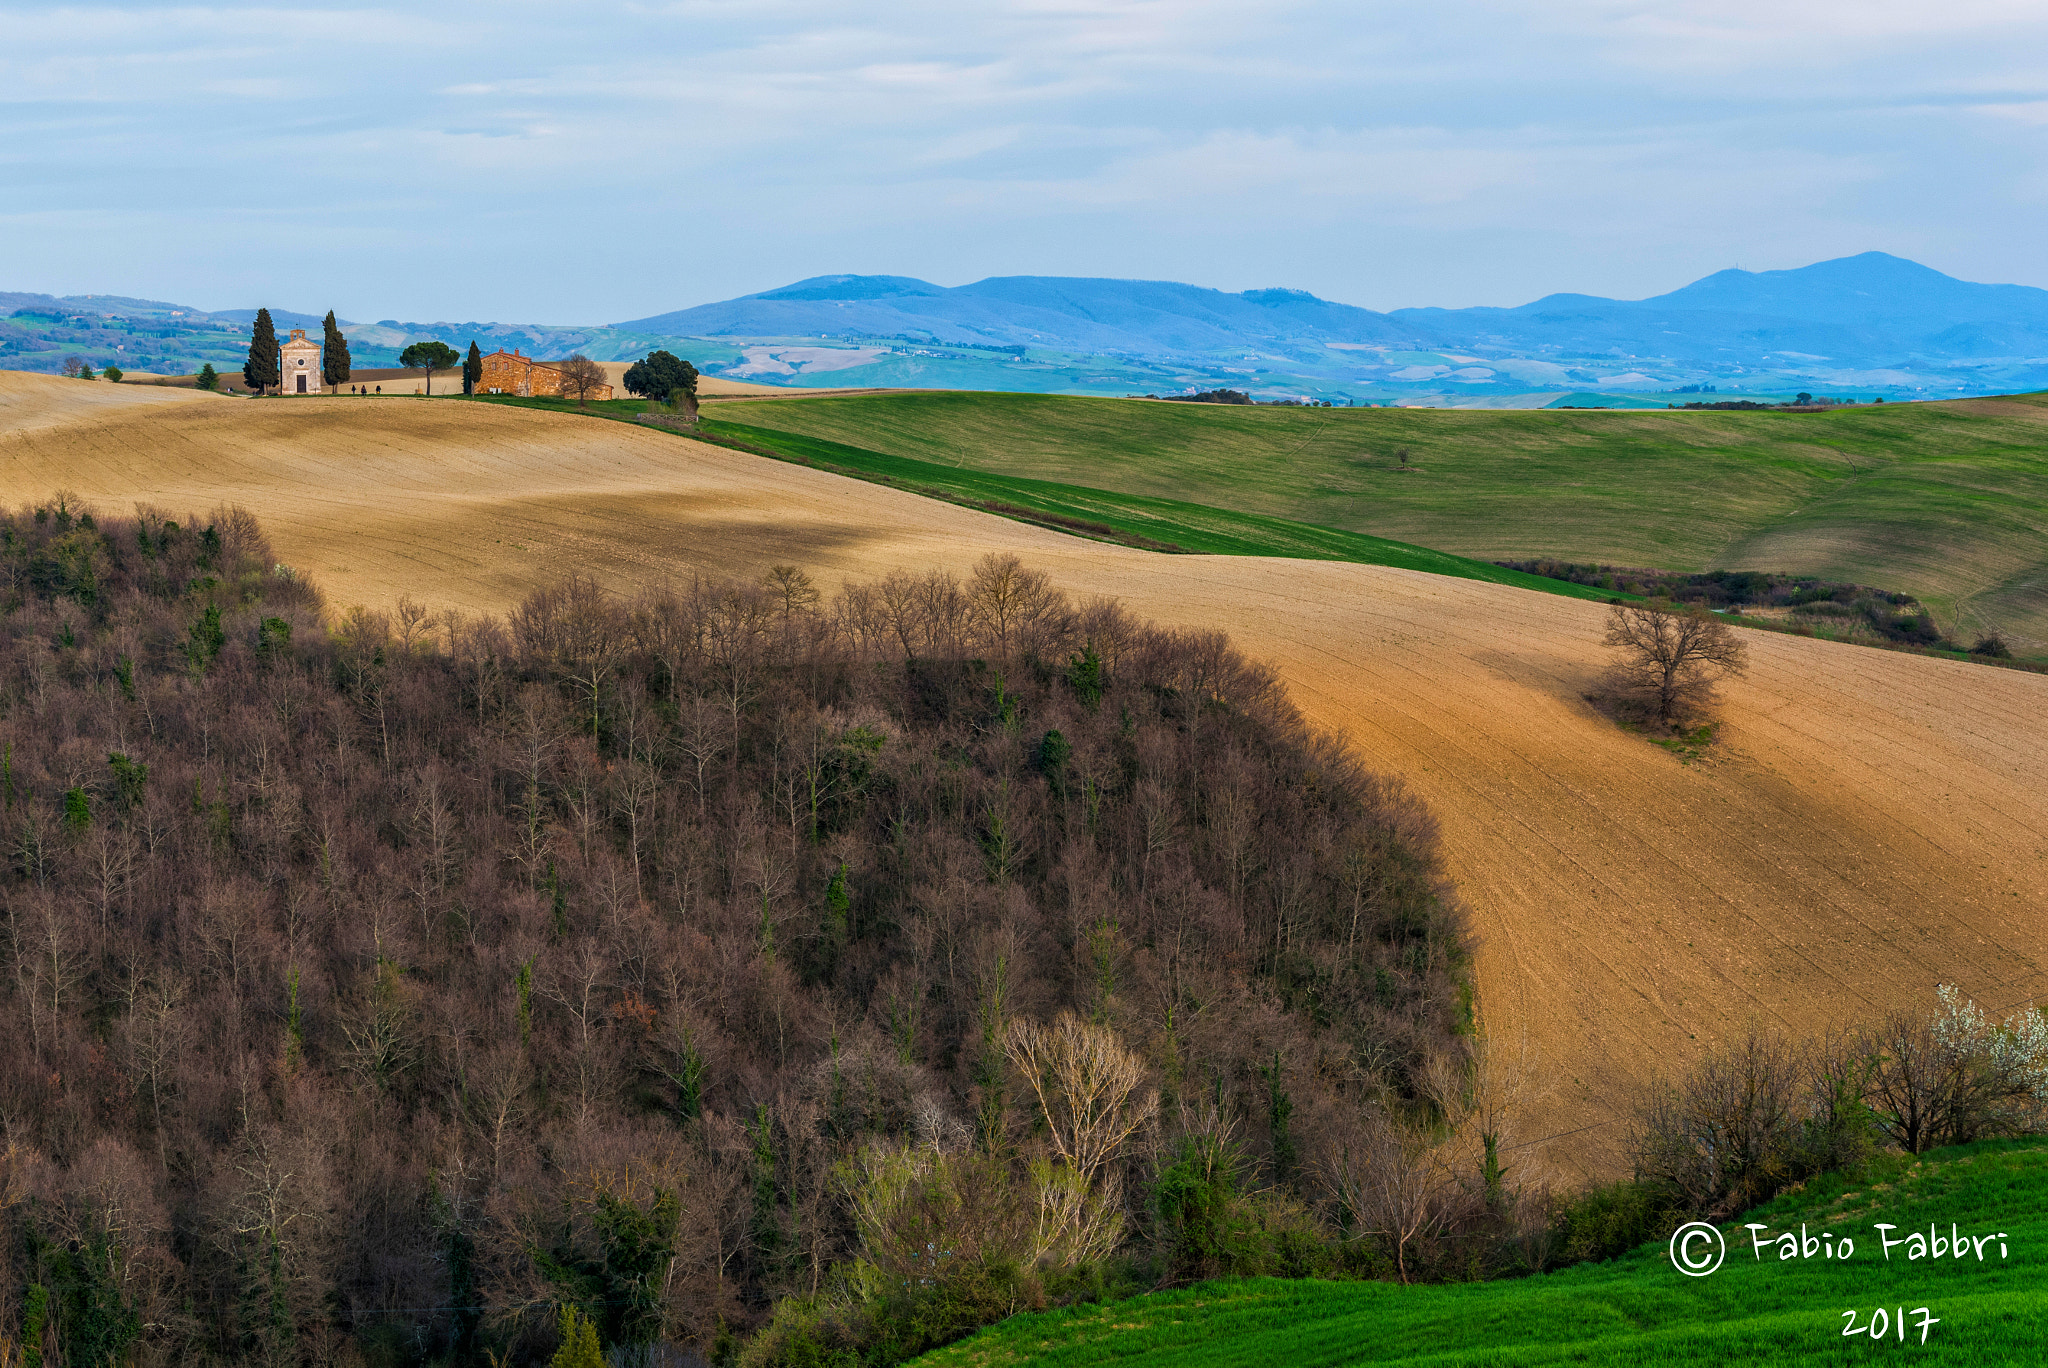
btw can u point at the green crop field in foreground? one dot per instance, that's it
(1947, 501)
(1637, 1309)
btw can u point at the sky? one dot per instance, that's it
(591, 162)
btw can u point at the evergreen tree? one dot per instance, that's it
(209, 378)
(579, 1347)
(334, 358)
(261, 369)
(429, 357)
(472, 369)
(659, 375)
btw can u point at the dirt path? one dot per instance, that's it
(1874, 823)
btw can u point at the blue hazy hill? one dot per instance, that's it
(1079, 314)
(1874, 289)
(1871, 309)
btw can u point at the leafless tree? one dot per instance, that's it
(795, 588)
(1090, 1089)
(1723, 1133)
(1008, 597)
(700, 737)
(1396, 1185)
(411, 623)
(581, 377)
(1670, 660)
(575, 625)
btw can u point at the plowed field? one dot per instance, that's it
(1873, 822)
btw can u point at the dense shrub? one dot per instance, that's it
(1713, 588)
(1747, 1122)
(1609, 1219)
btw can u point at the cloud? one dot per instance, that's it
(1464, 152)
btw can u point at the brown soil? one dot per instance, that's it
(1870, 823)
(35, 401)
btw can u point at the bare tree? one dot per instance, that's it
(574, 625)
(794, 588)
(1087, 1085)
(1670, 660)
(581, 377)
(700, 736)
(1726, 1133)
(1394, 1182)
(1006, 596)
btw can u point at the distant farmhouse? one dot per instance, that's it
(301, 373)
(507, 372)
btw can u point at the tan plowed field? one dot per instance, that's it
(34, 401)
(1873, 823)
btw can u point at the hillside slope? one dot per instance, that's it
(1876, 821)
(1946, 501)
(38, 401)
(1632, 1310)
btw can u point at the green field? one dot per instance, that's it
(1136, 519)
(1947, 501)
(1634, 1310)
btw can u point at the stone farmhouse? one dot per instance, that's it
(301, 370)
(510, 373)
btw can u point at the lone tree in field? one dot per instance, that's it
(334, 358)
(1670, 660)
(659, 375)
(581, 377)
(429, 357)
(472, 369)
(208, 378)
(259, 372)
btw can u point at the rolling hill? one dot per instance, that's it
(1946, 501)
(1873, 822)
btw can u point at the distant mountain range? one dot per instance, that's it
(1132, 317)
(1873, 322)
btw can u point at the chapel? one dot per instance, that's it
(301, 370)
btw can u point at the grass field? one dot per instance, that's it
(1145, 520)
(1634, 1310)
(1948, 501)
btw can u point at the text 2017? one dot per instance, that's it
(1884, 1322)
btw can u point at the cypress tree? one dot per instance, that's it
(260, 371)
(334, 359)
(472, 369)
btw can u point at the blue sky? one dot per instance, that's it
(588, 162)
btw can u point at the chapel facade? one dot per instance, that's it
(300, 373)
(508, 372)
